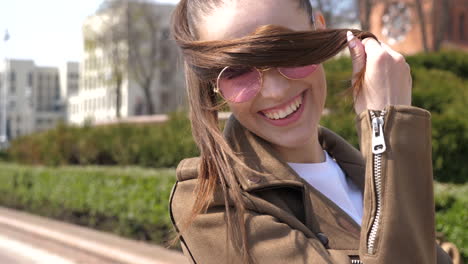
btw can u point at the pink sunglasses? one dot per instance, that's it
(241, 84)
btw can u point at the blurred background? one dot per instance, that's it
(93, 110)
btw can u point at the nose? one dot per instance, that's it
(275, 86)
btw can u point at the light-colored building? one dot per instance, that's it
(69, 83)
(19, 100)
(107, 47)
(34, 96)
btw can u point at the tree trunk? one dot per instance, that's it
(148, 97)
(118, 96)
(422, 22)
(366, 6)
(442, 25)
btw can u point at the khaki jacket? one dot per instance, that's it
(289, 221)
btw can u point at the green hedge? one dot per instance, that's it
(452, 61)
(133, 202)
(149, 145)
(452, 214)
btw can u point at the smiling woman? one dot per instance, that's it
(276, 187)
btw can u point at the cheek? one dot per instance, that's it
(320, 86)
(241, 111)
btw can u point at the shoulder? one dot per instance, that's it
(188, 169)
(182, 195)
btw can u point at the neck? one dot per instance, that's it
(309, 152)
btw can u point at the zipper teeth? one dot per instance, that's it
(377, 173)
(378, 185)
(356, 261)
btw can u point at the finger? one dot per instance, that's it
(356, 49)
(372, 47)
(396, 56)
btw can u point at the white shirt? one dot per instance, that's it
(328, 178)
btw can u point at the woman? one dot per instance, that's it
(277, 187)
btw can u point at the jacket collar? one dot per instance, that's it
(270, 171)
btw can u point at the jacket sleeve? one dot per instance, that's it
(398, 223)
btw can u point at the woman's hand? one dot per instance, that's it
(387, 80)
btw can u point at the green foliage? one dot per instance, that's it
(452, 61)
(154, 145)
(131, 202)
(439, 86)
(451, 214)
(3, 155)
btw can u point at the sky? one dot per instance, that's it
(46, 31)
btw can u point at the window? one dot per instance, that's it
(12, 76)
(30, 79)
(57, 92)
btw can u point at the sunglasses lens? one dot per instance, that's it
(239, 84)
(298, 72)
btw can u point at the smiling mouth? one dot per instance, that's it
(285, 110)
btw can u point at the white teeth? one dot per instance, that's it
(282, 113)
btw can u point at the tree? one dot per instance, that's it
(365, 7)
(422, 23)
(132, 39)
(337, 13)
(140, 23)
(145, 40)
(443, 18)
(108, 36)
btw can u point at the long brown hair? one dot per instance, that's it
(203, 60)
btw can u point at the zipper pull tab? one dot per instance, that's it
(378, 140)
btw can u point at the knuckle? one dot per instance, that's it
(364, 41)
(400, 59)
(382, 56)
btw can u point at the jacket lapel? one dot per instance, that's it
(270, 171)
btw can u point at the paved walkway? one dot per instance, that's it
(103, 244)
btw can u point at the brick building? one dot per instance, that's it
(398, 23)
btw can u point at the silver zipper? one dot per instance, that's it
(378, 147)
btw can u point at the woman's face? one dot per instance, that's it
(238, 18)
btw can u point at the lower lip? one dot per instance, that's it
(291, 118)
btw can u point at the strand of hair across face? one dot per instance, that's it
(267, 46)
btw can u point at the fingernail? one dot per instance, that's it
(351, 41)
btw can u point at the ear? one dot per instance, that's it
(319, 20)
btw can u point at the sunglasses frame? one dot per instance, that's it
(217, 90)
(261, 71)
